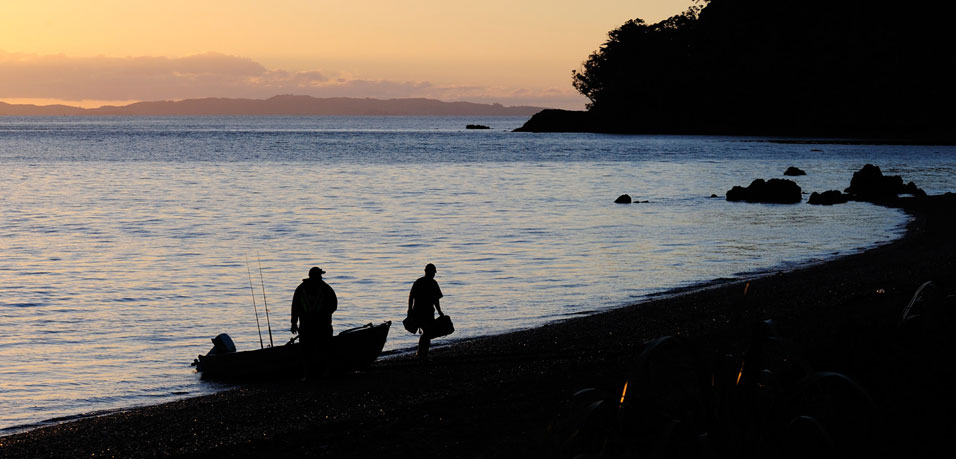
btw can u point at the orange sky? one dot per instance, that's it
(514, 52)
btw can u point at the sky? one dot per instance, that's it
(97, 52)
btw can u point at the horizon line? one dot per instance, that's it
(279, 105)
(66, 103)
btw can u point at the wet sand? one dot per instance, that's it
(509, 395)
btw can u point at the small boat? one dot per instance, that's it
(352, 349)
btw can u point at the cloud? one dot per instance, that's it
(29, 76)
(141, 78)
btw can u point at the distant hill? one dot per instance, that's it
(279, 105)
(39, 110)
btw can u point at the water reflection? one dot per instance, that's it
(117, 273)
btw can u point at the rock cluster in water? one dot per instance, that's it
(773, 191)
(869, 184)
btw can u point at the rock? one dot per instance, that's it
(794, 171)
(556, 120)
(623, 199)
(869, 184)
(828, 198)
(914, 190)
(774, 191)
(476, 126)
(714, 196)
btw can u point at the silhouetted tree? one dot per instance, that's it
(832, 67)
(628, 68)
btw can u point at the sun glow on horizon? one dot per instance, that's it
(531, 46)
(83, 103)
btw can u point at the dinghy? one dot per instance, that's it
(352, 350)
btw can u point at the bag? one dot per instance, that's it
(441, 327)
(410, 325)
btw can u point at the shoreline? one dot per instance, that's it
(555, 120)
(663, 295)
(501, 395)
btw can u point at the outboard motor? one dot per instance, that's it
(222, 344)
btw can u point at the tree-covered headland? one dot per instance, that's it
(809, 67)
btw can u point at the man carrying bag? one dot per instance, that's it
(423, 301)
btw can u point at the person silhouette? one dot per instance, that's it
(313, 303)
(423, 301)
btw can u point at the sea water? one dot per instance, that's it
(127, 243)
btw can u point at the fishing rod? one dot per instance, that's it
(268, 324)
(254, 308)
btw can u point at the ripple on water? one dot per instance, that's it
(108, 295)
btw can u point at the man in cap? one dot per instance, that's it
(422, 303)
(313, 303)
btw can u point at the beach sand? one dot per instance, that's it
(511, 395)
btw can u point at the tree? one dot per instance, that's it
(815, 67)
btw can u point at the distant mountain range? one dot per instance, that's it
(279, 105)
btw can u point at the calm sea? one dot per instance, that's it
(127, 243)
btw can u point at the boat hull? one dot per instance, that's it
(352, 350)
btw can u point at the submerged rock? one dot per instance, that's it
(794, 171)
(623, 199)
(828, 198)
(773, 191)
(476, 126)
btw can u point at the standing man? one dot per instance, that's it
(422, 303)
(313, 303)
